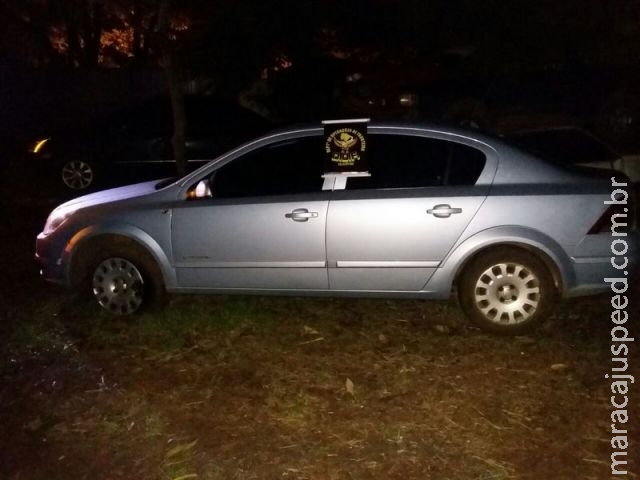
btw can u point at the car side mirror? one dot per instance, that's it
(202, 189)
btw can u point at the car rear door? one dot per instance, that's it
(389, 232)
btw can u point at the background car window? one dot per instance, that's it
(150, 119)
(402, 161)
(565, 146)
(293, 166)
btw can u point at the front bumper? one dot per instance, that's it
(48, 256)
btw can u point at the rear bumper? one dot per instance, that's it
(595, 275)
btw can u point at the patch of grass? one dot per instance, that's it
(260, 383)
(34, 333)
(294, 409)
(490, 469)
(181, 323)
(153, 425)
(179, 461)
(395, 434)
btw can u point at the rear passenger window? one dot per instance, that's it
(403, 161)
(465, 165)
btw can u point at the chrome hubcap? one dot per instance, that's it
(507, 293)
(77, 174)
(118, 286)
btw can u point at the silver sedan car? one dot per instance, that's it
(438, 210)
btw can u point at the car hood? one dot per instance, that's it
(111, 195)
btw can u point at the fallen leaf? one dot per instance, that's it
(349, 386)
(37, 424)
(310, 331)
(188, 476)
(180, 449)
(525, 340)
(319, 339)
(441, 328)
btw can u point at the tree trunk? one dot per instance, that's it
(136, 25)
(179, 116)
(176, 92)
(92, 19)
(69, 15)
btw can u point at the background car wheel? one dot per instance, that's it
(508, 291)
(123, 283)
(78, 174)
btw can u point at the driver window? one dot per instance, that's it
(287, 167)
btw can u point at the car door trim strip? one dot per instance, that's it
(386, 264)
(301, 264)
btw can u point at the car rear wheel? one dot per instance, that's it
(508, 291)
(77, 174)
(123, 283)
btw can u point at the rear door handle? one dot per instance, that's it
(443, 211)
(301, 215)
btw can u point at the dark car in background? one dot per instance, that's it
(472, 92)
(604, 98)
(572, 145)
(135, 143)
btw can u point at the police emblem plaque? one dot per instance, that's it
(345, 146)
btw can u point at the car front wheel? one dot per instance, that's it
(508, 291)
(123, 284)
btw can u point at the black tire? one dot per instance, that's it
(124, 280)
(507, 291)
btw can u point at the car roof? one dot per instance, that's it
(445, 128)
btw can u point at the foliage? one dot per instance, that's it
(78, 33)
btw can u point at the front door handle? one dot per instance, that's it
(443, 211)
(301, 215)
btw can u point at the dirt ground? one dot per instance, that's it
(241, 388)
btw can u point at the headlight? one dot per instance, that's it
(57, 218)
(38, 145)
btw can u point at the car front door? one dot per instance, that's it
(389, 232)
(263, 227)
